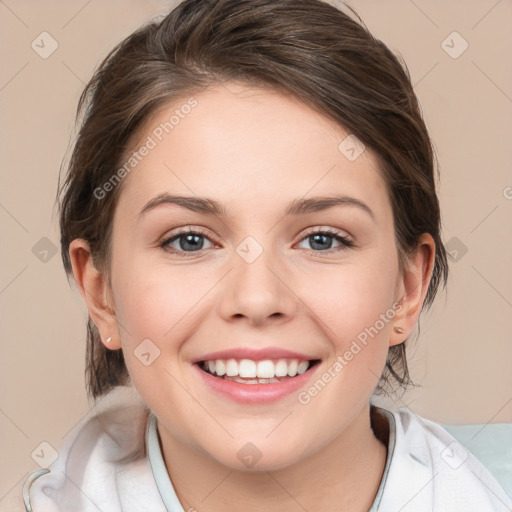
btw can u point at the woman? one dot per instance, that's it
(250, 214)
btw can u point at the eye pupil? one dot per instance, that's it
(318, 239)
(190, 243)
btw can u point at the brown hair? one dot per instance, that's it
(306, 48)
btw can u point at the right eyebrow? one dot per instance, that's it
(195, 204)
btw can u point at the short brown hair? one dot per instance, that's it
(307, 48)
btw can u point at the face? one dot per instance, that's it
(273, 282)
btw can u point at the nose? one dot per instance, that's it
(259, 292)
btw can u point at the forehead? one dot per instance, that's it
(248, 147)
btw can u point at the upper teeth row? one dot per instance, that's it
(266, 369)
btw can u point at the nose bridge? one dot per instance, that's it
(256, 288)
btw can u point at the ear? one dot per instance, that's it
(412, 288)
(94, 289)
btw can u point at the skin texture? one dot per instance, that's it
(255, 150)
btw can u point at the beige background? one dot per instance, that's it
(463, 358)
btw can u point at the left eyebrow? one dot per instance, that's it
(320, 203)
(296, 207)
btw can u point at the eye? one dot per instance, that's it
(321, 240)
(191, 240)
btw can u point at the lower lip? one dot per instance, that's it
(256, 393)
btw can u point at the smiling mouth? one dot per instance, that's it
(247, 371)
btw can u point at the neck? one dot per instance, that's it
(343, 475)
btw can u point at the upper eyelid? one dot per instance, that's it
(186, 231)
(326, 229)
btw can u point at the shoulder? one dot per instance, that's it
(431, 471)
(103, 463)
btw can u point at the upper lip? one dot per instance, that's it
(254, 354)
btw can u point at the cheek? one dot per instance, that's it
(356, 314)
(353, 297)
(354, 305)
(163, 303)
(151, 303)
(154, 311)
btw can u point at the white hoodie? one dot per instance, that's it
(112, 462)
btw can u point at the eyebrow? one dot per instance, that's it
(296, 207)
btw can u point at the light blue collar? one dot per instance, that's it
(163, 482)
(391, 448)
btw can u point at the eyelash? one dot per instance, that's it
(344, 241)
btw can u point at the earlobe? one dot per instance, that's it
(93, 287)
(412, 288)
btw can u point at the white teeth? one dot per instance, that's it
(303, 366)
(292, 368)
(247, 369)
(265, 370)
(231, 368)
(219, 368)
(281, 368)
(262, 371)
